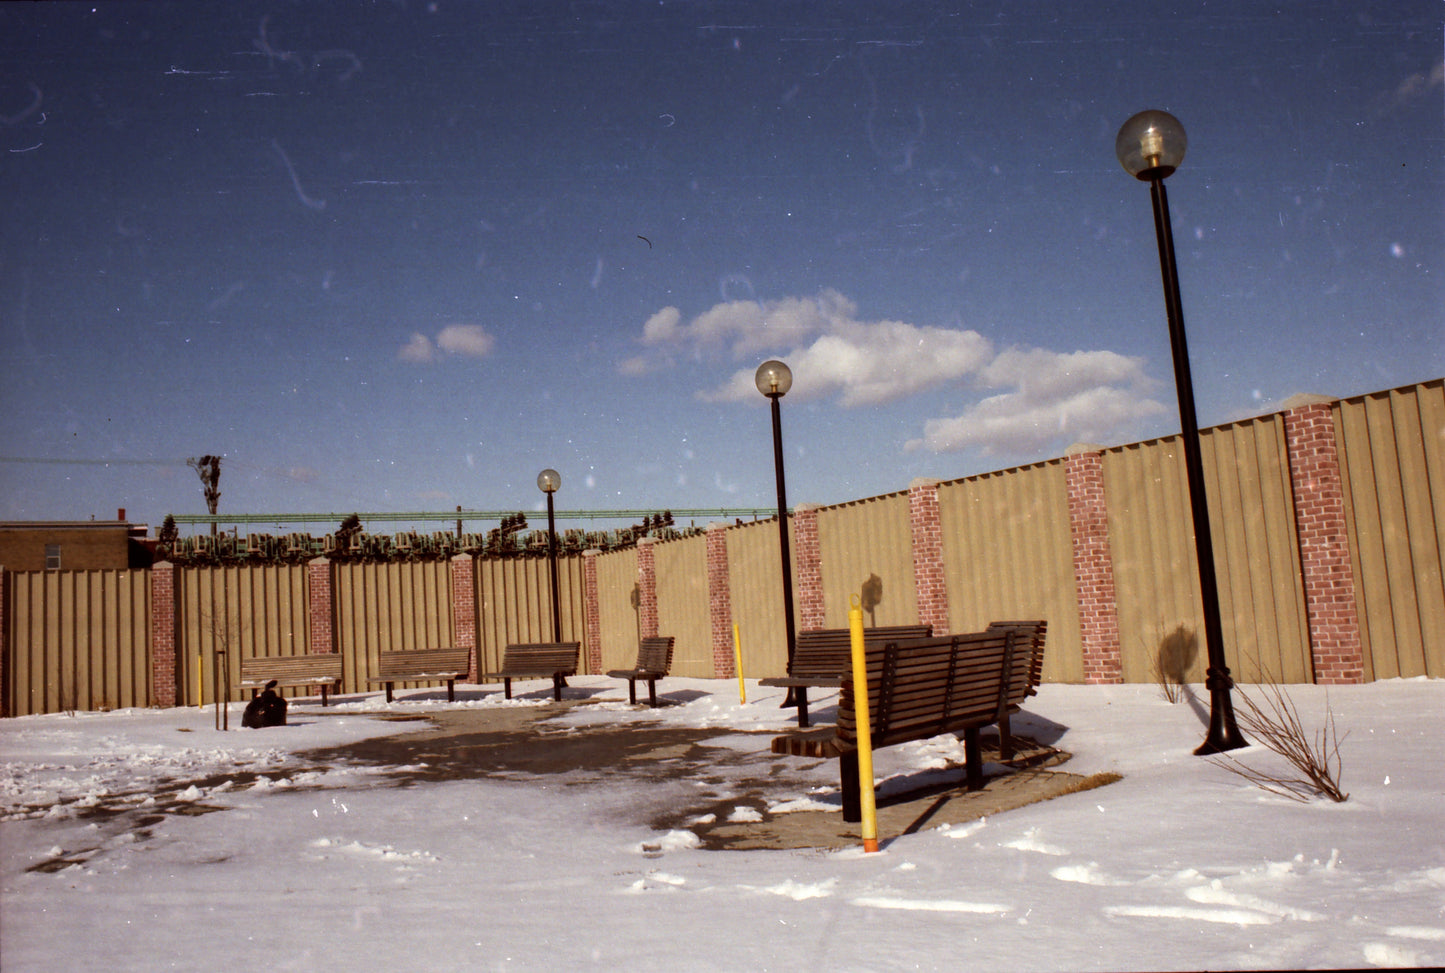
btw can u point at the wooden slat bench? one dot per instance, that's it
(537, 660)
(423, 665)
(654, 659)
(822, 655)
(321, 670)
(917, 690)
(1033, 632)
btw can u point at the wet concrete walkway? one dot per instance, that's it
(729, 773)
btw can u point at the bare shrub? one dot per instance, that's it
(1314, 760)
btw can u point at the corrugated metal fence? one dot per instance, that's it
(81, 640)
(78, 640)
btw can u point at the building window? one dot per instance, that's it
(52, 557)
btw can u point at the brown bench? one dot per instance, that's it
(1032, 632)
(423, 665)
(321, 670)
(537, 660)
(920, 689)
(822, 655)
(654, 659)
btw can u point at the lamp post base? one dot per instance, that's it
(1223, 732)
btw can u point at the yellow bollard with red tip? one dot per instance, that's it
(867, 798)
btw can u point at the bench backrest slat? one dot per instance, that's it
(1034, 631)
(548, 657)
(921, 688)
(822, 653)
(654, 654)
(410, 661)
(316, 666)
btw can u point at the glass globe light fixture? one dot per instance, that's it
(773, 378)
(1151, 145)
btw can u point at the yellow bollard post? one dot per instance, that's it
(738, 664)
(868, 800)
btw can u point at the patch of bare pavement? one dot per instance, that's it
(737, 784)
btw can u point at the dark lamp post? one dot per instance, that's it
(1150, 146)
(773, 379)
(549, 482)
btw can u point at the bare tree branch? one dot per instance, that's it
(1277, 726)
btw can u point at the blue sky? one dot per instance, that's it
(402, 256)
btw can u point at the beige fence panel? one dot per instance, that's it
(1008, 554)
(619, 620)
(79, 641)
(243, 611)
(1256, 548)
(1155, 576)
(756, 577)
(1392, 447)
(1256, 556)
(867, 550)
(388, 607)
(514, 604)
(683, 605)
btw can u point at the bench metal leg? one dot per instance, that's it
(652, 693)
(507, 687)
(1005, 740)
(388, 691)
(632, 691)
(848, 781)
(800, 696)
(973, 753)
(557, 684)
(451, 691)
(324, 689)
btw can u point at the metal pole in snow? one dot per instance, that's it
(867, 798)
(738, 664)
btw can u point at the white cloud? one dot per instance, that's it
(1046, 398)
(661, 327)
(747, 327)
(1082, 396)
(1420, 84)
(633, 367)
(468, 340)
(418, 349)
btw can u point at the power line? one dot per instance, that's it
(51, 461)
(455, 515)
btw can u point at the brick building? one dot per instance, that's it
(74, 545)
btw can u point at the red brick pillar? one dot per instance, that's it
(4, 643)
(646, 589)
(464, 609)
(926, 524)
(322, 610)
(720, 602)
(163, 635)
(591, 610)
(1093, 565)
(808, 567)
(1324, 541)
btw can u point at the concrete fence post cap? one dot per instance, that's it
(1306, 398)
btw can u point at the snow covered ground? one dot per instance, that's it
(283, 864)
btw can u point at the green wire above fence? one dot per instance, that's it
(453, 516)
